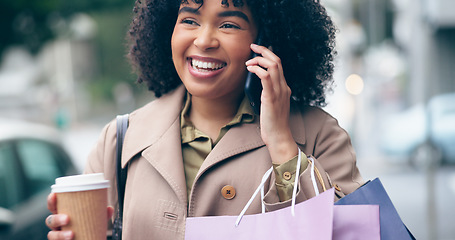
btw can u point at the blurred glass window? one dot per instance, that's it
(40, 163)
(11, 191)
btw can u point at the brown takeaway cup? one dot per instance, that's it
(84, 199)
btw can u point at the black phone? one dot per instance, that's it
(253, 85)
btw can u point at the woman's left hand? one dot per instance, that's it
(275, 104)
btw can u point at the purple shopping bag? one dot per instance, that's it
(373, 192)
(313, 219)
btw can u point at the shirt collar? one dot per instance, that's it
(245, 114)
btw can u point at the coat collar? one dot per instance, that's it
(149, 123)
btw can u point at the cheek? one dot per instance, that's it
(177, 43)
(174, 44)
(241, 54)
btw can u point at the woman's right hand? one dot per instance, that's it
(56, 221)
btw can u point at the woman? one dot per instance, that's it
(199, 149)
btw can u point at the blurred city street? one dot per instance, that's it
(64, 66)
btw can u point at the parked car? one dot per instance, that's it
(31, 157)
(424, 133)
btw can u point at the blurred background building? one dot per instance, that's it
(63, 64)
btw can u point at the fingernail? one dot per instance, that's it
(49, 220)
(64, 219)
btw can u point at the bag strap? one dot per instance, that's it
(122, 125)
(294, 190)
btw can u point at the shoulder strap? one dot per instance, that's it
(122, 125)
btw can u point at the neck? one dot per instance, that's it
(210, 115)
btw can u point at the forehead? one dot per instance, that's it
(231, 8)
(224, 3)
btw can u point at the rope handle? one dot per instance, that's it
(294, 190)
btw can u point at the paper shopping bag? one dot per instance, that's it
(349, 222)
(316, 218)
(373, 192)
(313, 219)
(356, 222)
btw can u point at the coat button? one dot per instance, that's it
(228, 192)
(287, 176)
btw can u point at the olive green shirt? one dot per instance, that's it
(196, 145)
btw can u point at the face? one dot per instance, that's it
(210, 45)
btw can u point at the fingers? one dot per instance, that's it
(270, 62)
(56, 221)
(265, 52)
(269, 69)
(57, 235)
(110, 212)
(52, 203)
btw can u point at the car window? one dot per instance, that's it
(11, 182)
(40, 161)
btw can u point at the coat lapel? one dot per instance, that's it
(166, 157)
(236, 140)
(154, 131)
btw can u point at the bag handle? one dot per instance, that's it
(294, 190)
(122, 125)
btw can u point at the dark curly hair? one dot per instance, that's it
(299, 31)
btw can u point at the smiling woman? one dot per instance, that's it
(307, 57)
(200, 149)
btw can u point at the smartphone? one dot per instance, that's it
(253, 85)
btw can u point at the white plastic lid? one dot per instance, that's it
(78, 183)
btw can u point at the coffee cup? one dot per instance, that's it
(84, 199)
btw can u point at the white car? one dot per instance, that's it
(424, 133)
(31, 157)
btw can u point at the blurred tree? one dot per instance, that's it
(32, 22)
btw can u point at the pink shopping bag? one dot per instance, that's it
(313, 219)
(351, 222)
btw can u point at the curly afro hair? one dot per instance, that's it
(300, 32)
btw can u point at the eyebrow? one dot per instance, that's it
(234, 14)
(189, 10)
(221, 14)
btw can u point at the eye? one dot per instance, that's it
(229, 25)
(189, 21)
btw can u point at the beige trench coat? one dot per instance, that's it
(156, 203)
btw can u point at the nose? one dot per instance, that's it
(206, 39)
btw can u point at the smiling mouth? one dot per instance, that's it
(206, 66)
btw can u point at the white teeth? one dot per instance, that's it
(206, 65)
